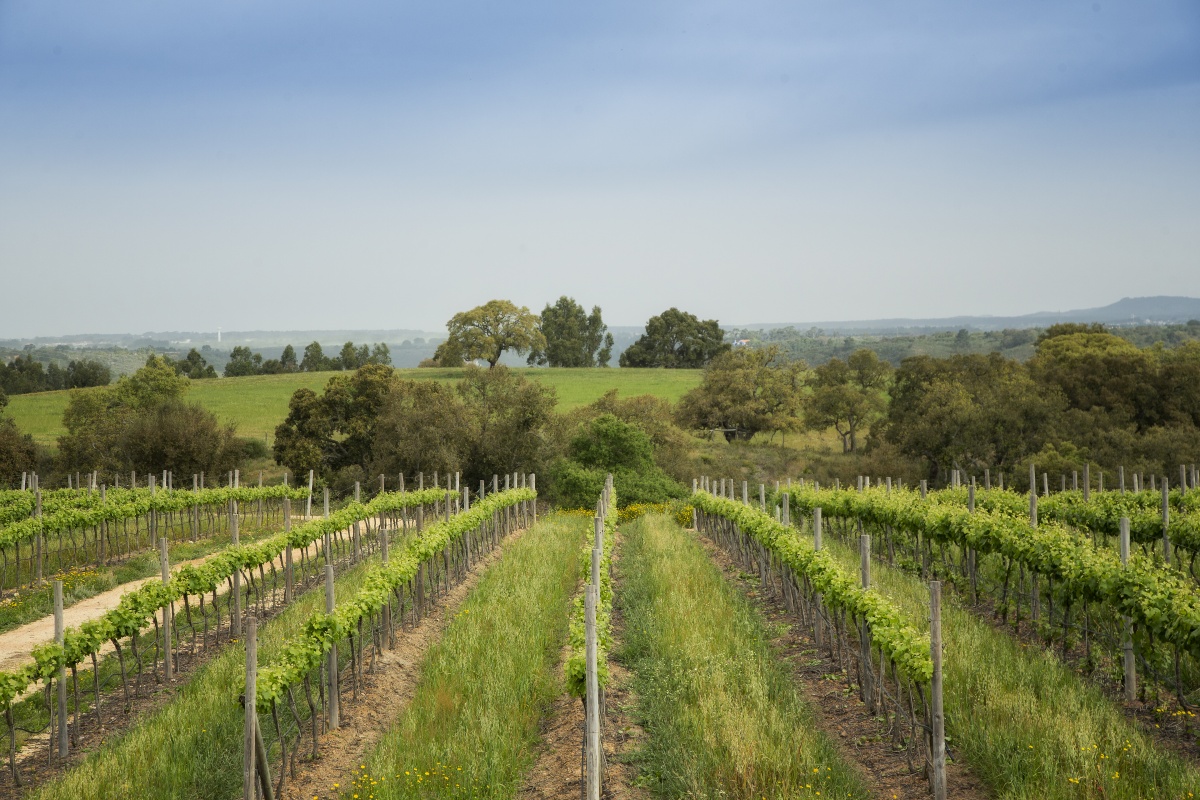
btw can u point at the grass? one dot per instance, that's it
(473, 723)
(722, 714)
(192, 746)
(84, 580)
(1027, 725)
(259, 403)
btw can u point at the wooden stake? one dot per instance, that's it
(1130, 668)
(1166, 520)
(165, 565)
(236, 621)
(249, 754)
(868, 683)
(593, 753)
(288, 571)
(819, 600)
(938, 751)
(387, 606)
(62, 670)
(37, 499)
(332, 657)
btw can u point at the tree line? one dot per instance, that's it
(1086, 396)
(565, 335)
(242, 361)
(24, 375)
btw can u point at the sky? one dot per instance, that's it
(294, 164)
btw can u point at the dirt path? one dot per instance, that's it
(556, 773)
(862, 739)
(386, 694)
(16, 645)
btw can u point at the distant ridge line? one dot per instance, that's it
(1164, 309)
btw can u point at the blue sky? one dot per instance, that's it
(281, 165)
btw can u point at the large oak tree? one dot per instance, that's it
(487, 331)
(676, 339)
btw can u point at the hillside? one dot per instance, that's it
(1127, 311)
(257, 404)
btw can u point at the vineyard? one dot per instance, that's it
(439, 641)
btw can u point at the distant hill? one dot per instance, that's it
(1127, 311)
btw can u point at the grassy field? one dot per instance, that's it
(722, 715)
(472, 726)
(257, 404)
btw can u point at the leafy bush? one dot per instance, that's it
(607, 444)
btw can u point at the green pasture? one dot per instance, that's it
(258, 403)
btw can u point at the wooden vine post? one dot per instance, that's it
(288, 572)
(332, 667)
(357, 533)
(1166, 520)
(37, 510)
(971, 573)
(817, 544)
(866, 687)
(153, 514)
(195, 508)
(256, 770)
(1032, 496)
(1127, 626)
(387, 606)
(937, 752)
(165, 565)
(1034, 596)
(61, 676)
(249, 776)
(236, 620)
(593, 696)
(308, 502)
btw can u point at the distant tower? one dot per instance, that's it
(218, 335)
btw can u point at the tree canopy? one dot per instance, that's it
(848, 395)
(491, 422)
(142, 423)
(18, 453)
(746, 391)
(487, 331)
(607, 444)
(24, 374)
(573, 337)
(676, 339)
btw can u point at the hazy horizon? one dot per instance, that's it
(369, 165)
